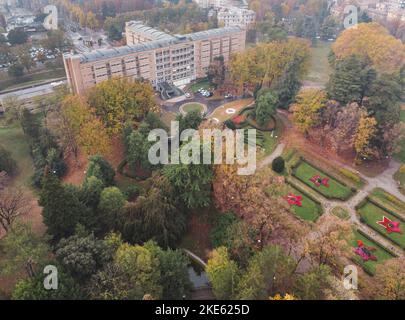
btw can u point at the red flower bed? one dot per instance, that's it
(238, 119)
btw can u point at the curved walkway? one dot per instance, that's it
(384, 180)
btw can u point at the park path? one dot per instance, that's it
(384, 180)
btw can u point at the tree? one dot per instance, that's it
(307, 110)
(191, 120)
(82, 128)
(100, 168)
(7, 163)
(329, 244)
(270, 271)
(55, 39)
(91, 20)
(173, 265)
(33, 289)
(263, 65)
(138, 147)
(350, 80)
(192, 183)
(216, 71)
(23, 250)
(390, 279)
(156, 215)
(371, 42)
(13, 204)
(83, 256)
(114, 33)
(119, 100)
(265, 108)
(17, 36)
(223, 274)
(13, 108)
(278, 164)
(310, 285)
(142, 269)
(16, 70)
(24, 57)
(111, 203)
(62, 210)
(219, 232)
(365, 133)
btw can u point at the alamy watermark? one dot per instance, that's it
(51, 278)
(204, 146)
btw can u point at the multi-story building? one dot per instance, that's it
(154, 56)
(236, 17)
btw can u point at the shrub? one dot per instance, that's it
(219, 232)
(278, 164)
(351, 175)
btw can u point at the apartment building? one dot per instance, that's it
(154, 56)
(236, 17)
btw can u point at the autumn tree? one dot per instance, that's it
(371, 42)
(390, 278)
(365, 133)
(263, 65)
(14, 203)
(118, 100)
(306, 111)
(82, 128)
(223, 274)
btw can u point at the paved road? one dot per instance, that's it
(29, 93)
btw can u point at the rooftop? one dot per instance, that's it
(151, 45)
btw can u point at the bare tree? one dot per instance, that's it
(13, 204)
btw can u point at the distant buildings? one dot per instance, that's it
(230, 12)
(387, 10)
(155, 56)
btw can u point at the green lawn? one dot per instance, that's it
(319, 69)
(12, 139)
(370, 214)
(310, 210)
(336, 190)
(341, 213)
(380, 253)
(188, 107)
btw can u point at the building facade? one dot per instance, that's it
(154, 56)
(234, 16)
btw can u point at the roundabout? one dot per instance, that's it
(193, 106)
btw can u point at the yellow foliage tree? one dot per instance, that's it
(83, 127)
(306, 110)
(371, 42)
(365, 132)
(265, 63)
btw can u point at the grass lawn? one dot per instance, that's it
(388, 200)
(12, 139)
(341, 213)
(310, 210)
(188, 107)
(380, 253)
(370, 214)
(319, 69)
(336, 190)
(204, 84)
(271, 140)
(220, 112)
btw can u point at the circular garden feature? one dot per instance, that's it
(193, 106)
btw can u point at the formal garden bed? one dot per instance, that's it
(311, 209)
(381, 254)
(370, 212)
(336, 189)
(341, 213)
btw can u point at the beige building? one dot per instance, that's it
(236, 17)
(154, 56)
